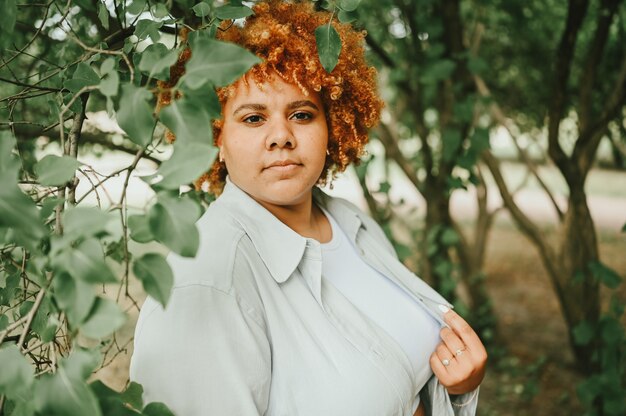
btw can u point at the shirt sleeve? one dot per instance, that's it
(203, 355)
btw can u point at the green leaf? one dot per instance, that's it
(140, 228)
(7, 294)
(17, 375)
(103, 15)
(384, 187)
(108, 65)
(56, 170)
(189, 119)
(104, 318)
(201, 9)
(624, 228)
(74, 296)
(8, 17)
(157, 409)
(172, 222)
(605, 274)
(449, 237)
(159, 10)
(136, 7)
(84, 76)
(451, 143)
(84, 222)
(349, 5)
(85, 262)
(147, 27)
(328, 46)
(477, 65)
(65, 392)
(9, 163)
(156, 61)
(232, 12)
(155, 275)
(480, 140)
(19, 212)
(219, 63)
(611, 331)
(186, 164)
(583, 333)
(443, 269)
(135, 114)
(437, 71)
(81, 363)
(133, 395)
(109, 84)
(346, 17)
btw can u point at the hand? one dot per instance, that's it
(464, 354)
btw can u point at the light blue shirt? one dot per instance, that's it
(252, 329)
(382, 301)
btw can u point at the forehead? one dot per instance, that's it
(274, 88)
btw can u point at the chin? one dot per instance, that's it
(286, 192)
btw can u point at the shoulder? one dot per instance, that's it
(222, 240)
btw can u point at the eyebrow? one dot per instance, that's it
(261, 107)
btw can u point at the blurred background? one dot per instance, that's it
(498, 171)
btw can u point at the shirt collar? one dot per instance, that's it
(280, 247)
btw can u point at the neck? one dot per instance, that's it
(303, 217)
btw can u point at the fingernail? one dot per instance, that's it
(443, 308)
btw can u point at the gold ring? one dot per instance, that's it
(459, 352)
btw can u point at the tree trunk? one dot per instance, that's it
(437, 264)
(580, 299)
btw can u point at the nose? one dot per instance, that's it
(280, 135)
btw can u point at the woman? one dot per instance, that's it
(296, 303)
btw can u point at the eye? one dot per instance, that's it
(302, 115)
(253, 119)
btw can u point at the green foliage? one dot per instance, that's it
(604, 391)
(135, 114)
(172, 222)
(17, 375)
(155, 275)
(63, 260)
(218, 63)
(56, 170)
(232, 12)
(328, 46)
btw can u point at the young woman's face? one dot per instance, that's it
(273, 141)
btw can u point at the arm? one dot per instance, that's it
(203, 355)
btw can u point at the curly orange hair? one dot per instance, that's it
(282, 34)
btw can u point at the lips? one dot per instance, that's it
(283, 164)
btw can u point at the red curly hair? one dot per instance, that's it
(282, 34)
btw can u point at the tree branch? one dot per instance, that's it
(593, 59)
(588, 142)
(575, 16)
(499, 117)
(379, 51)
(528, 227)
(394, 153)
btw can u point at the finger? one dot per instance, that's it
(446, 358)
(463, 330)
(439, 370)
(452, 341)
